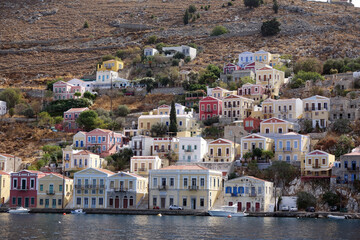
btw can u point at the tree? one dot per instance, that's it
(77, 94)
(305, 200)
(89, 95)
(159, 129)
(192, 9)
(281, 173)
(149, 82)
(248, 156)
(173, 123)
(275, 6)
(341, 126)
(343, 145)
(308, 65)
(219, 30)
(86, 24)
(210, 74)
(120, 160)
(257, 153)
(89, 120)
(306, 126)
(11, 112)
(267, 154)
(122, 111)
(45, 120)
(186, 17)
(11, 96)
(332, 199)
(252, 3)
(57, 108)
(270, 28)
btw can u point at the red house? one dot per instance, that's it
(251, 124)
(209, 107)
(230, 67)
(24, 186)
(70, 117)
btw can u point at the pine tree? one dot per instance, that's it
(186, 17)
(173, 123)
(276, 6)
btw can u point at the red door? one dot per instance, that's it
(230, 203)
(248, 206)
(239, 209)
(125, 205)
(257, 206)
(117, 202)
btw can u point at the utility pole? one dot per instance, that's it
(63, 187)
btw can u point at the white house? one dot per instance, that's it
(186, 50)
(2, 108)
(79, 159)
(150, 52)
(192, 149)
(143, 164)
(245, 58)
(141, 145)
(88, 85)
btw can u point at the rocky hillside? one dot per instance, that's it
(41, 39)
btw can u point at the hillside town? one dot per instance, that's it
(265, 133)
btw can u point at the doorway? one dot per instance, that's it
(125, 202)
(26, 202)
(117, 202)
(239, 207)
(163, 201)
(193, 203)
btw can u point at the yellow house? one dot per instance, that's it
(236, 107)
(222, 150)
(287, 109)
(126, 190)
(79, 140)
(252, 141)
(51, 193)
(162, 146)
(188, 186)
(90, 188)
(270, 78)
(220, 93)
(249, 194)
(143, 164)
(276, 126)
(75, 160)
(317, 164)
(4, 187)
(111, 65)
(291, 147)
(316, 108)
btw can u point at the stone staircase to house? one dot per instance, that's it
(143, 204)
(219, 202)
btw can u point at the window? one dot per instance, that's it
(185, 182)
(14, 200)
(41, 187)
(155, 182)
(154, 201)
(295, 157)
(78, 201)
(172, 182)
(309, 161)
(32, 201)
(295, 144)
(245, 146)
(41, 201)
(101, 201)
(259, 190)
(59, 202)
(180, 123)
(32, 183)
(184, 202)
(202, 182)
(323, 161)
(60, 188)
(171, 201)
(202, 202)
(280, 157)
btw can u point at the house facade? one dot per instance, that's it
(186, 50)
(249, 194)
(220, 93)
(236, 107)
(209, 107)
(188, 186)
(271, 79)
(275, 125)
(317, 108)
(348, 169)
(317, 164)
(9, 163)
(125, 190)
(150, 52)
(141, 165)
(70, 117)
(252, 141)
(53, 190)
(192, 149)
(90, 188)
(4, 187)
(103, 141)
(64, 90)
(222, 150)
(24, 188)
(3, 108)
(286, 109)
(251, 124)
(291, 147)
(245, 58)
(142, 145)
(163, 146)
(255, 92)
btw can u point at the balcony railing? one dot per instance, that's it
(79, 186)
(316, 166)
(234, 194)
(121, 189)
(163, 187)
(287, 149)
(193, 188)
(142, 169)
(189, 150)
(161, 150)
(50, 192)
(353, 169)
(252, 194)
(208, 111)
(315, 109)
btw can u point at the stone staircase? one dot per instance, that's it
(219, 202)
(143, 204)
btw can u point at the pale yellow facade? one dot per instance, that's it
(164, 145)
(286, 109)
(316, 108)
(188, 186)
(51, 191)
(317, 164)
(236, 107)
(80, 138)
(271, 79)
(252, 141)
(126, 190)
(90, 189)
(276, 126)
(221, 93)
(111, 65)
(222, 150)
(143, 164)
(249, 194)
(4, 187)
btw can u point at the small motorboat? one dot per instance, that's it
(227, 211)
(336, 217)
(77, 211)
(19, 210)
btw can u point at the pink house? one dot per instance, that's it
(70, 117)
(104, 142)
(250, 66)
(209, 107)
(63, 90)
(230, 67)
(251, 89)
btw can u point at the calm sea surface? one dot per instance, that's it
(56, 226)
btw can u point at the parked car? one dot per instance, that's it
(293, 209)
(175, 207)
(156, 207)
(333, 208)
(285, 208)
(310, 209)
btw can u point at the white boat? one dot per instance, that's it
(77, 211)
(19, 210)
(227, 211)
(336, 217)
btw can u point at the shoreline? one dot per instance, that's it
(190, 213)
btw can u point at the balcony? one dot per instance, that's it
(353, 169)
(287, 149)
(142, 170)
(234, 194)
(193, 188)
(160, 150)
(252, 194)
(208, 111)
(316, 166)
(121, 189)
(79, 186)
(163, 187)
(50, 192)
(189, 150)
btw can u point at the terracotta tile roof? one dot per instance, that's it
(76, 109)
(353, 154)
(3, 173)
(221, 141)
(59, 175)
(85, 152)
(128, 173)
(7, 155)
(105, 171)
(184, 167)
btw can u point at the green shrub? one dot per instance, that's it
(57, 108)
(186, 17)
(252, 3)
(192, 9)
(229, 4)
(219, 30)
(270, 28)
(152, 39)
(187, 59)
(179, 55)
(86, 24)
(305, 200)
